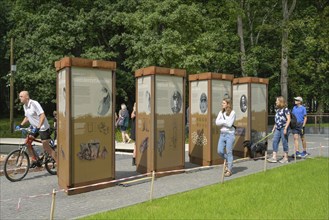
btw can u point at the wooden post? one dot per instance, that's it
(320, 150)
(152, 186)
(223, 173)
(11, 102)
(52, 205)
(265, 161)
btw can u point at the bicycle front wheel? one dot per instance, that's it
(16, 165)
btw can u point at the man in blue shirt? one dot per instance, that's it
(300, 112)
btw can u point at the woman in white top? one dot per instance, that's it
(225, 121)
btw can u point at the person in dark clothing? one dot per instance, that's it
(122, 123)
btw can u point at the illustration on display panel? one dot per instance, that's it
(91, 111)
(62, 92)
(144, 111)
(169, 97)
(243, 103)
(198, 138)
(144, 95)
(240, 102)
(176, 102)
(147, 102)
(91, 151)
(161, 142)
(91, 92)
(169, 117)
(199, 97)
(144, 145)
(203, 103)
(105, 101)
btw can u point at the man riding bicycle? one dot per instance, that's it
(35, 115)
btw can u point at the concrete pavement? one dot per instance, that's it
(34, 199)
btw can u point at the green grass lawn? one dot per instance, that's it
(5, 128)
(295, 191)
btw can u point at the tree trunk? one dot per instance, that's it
(242, 48)
(284, 47)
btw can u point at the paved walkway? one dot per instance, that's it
(34, 199)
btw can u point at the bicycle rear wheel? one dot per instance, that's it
(17, 165)
(50, 164)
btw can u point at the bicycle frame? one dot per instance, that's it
(29, 142)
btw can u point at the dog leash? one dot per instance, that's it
(263, 138)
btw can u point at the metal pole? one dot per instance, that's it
(11, 107)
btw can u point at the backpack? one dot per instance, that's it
(293, 121)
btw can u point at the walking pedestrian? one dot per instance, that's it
(299, 131)
(280, 130)
(122, 123)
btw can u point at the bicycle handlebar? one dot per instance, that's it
(24, 129)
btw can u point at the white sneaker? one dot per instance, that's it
(284, 160)
(272, 160)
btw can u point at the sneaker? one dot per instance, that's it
(272, 160)
(297, 154)
(303, 154)
(35, 164)
(284, 160)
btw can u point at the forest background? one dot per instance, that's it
(286, 41)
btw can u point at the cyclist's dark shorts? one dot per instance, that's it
(44, 135)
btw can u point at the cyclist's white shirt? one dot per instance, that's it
(33, 110)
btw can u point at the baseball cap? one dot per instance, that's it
(298, 98)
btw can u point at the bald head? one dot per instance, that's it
(24, 97)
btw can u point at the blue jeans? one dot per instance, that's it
(279, 134)
(226, 140)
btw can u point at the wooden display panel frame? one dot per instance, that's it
(239, 150)
(207, 154)
(65, 127)
(149, 123)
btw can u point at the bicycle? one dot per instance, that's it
(17, 162)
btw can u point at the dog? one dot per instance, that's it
(254, 149)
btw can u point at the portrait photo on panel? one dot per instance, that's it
(176, 102)
(203, 103)
(243, 103)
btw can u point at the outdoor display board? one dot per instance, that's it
(85, 106)
(207, 90)
(250, 104)
(160, 138)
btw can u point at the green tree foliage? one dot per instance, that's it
(310, 47)
(199, 36)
